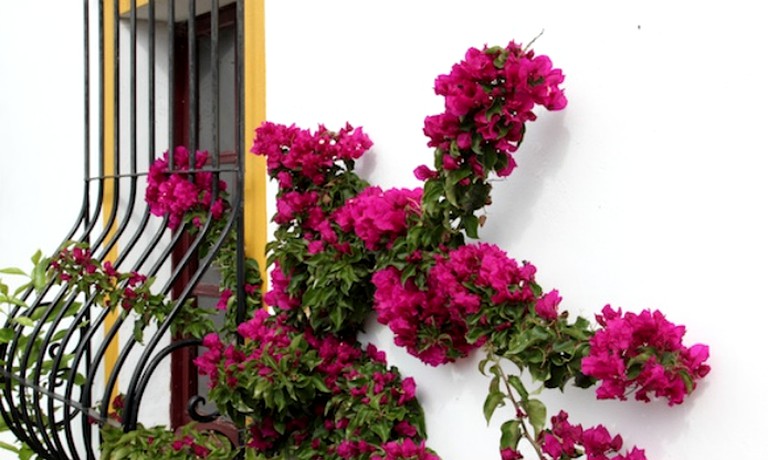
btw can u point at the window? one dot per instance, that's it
(205, 113)
(157, 74)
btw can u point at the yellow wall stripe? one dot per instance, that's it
(125, 5)
(110, 28)
(255, 114)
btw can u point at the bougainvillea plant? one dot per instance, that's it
(295, 379)
(343, 247)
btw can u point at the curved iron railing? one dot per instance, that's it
(59, 372)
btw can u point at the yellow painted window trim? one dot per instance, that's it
(125, 5)
(112, 351)
(255, 113)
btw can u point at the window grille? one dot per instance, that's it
(57, 376)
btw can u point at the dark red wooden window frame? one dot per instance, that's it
(184, 378)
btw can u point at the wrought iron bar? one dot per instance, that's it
(215, 87)
(171, 76)
(240, 148)
(50, 371)
(192, 63)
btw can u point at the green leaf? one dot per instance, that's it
(39, 311)
(536, 289)
(18, 291)
(510, 434)
(26, 453)
(457, 175)
(482, 364)
(6, 335)
(539, 373)
(564, 346)
(382, 431)
(492, 402)
(121, 453)
(319, 384)
(500, 60)
(138, 332)
(11, 447)
(337, 318)
(537, 414)
(494, 386)
(24, 321)
(470, 225)
(541, 334)
(450, 195)
(475, 334)
(527, 338)
(495, 109)
(12, 271)
(80, 379)
(497, 370)
(579, 330)
(36, 257)
(536, 356)
(688, 381)
(475, 197)
(40, 276)
(517, 384)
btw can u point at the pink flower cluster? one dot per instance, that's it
(303, 162)
(264, 434)
(510, 454)
(431, 323)
(77, 260)
(268, 339)
(347, 371)
(78, 265)
(278, 296)
(312, 170)
(360, 381)
(406, 450)
(643, 354)
(341, 363)
(489, 96)
(118, 406)
(338, 360)
(176, 192)
(189, 446)
(208, 362)
(349, 449)
(379, 217)
(305, 210)
(295, 154)
(566, 441)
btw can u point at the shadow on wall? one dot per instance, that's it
(655, 426)
(366, 165)
(514, 199)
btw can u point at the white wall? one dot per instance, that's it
(41, 112)
(646, 192)
(40, 128)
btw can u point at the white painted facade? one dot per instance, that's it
(645, 192)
